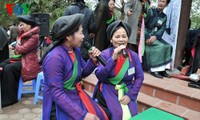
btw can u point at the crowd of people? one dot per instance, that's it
(66, 60)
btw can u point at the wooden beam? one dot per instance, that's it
(183, 26)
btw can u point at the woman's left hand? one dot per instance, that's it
(94, 53)
(152, 39)
(125, 100)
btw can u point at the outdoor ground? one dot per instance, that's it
(23, 110)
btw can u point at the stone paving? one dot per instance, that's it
(23, 110)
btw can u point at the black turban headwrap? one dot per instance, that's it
(28, 19)
(62, 27)
(114, 26)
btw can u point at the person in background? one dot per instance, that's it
(119, 81)
(135, 10)
(63, 97)
(111, 5)
(103, 17)
(4, 51)
(190, 39)
(194, 66)
(157, 52)
(13, 33)
(78, 6)
(27, 67)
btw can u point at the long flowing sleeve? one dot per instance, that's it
(55, 84)
(103, 72)
(87, 68)
(139, 77)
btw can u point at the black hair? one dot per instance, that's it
(197, 41)
(75, 30)
(168, 1)
(79, 1)
(120, 26)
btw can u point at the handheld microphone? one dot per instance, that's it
(99, 58)
(124, 53)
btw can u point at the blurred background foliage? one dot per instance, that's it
(54, 8)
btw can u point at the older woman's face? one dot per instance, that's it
(78, 37)
(23, 26)
(119, 37)
(162, 4)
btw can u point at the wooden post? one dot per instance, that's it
(182, 30)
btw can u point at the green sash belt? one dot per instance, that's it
(115, 80)
(68, 85)
(122, 88)
(126, 112)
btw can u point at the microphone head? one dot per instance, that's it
(86, 45)
(124, 52)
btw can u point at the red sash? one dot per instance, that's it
(119, 63)
(86, 101)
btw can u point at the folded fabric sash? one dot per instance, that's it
(86, 101)
(68, 85)
(126, 112)
(126, 115)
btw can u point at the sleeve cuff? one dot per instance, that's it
(157, 36)
(147, 37)
(133, 98)
(84, 114)
(92, 63)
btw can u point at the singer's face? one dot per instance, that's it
(119, 37)
(77, 38)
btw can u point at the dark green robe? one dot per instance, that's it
(159, 52)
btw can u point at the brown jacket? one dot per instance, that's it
(28, 49)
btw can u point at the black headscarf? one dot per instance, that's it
(3, 38)
(115, 25)
(62, 27)
(65, 26)
(28, 19)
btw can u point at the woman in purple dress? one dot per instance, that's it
(63, 68)
(121, 79)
